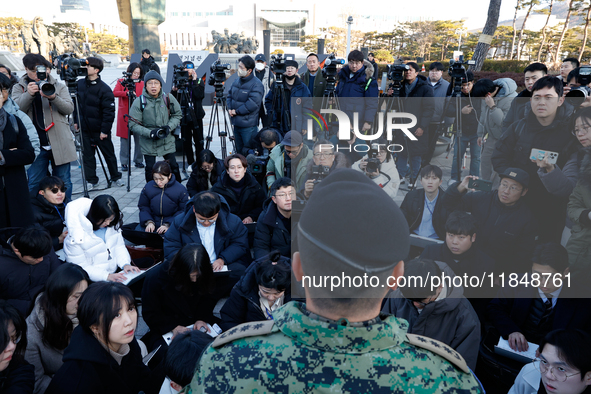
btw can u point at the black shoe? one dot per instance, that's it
(124, 167)
(139, 165)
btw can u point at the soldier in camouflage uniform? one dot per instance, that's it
(342, 344)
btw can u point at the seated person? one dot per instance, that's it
(507, 227)
(386, 174)
(49, 209)
(524, 313)
(425, 209)
(182, 357)
(180, 293)
(161, 200)
(324, 160)
(94, 239)
(562, 367)
(103, 355)
(222, 233)
(52, 320)
(25, 267)
(16, 375)
(206, 172)
(264, 287)
(292, 153)
(443, 314)
(240, 189)
(273, 228)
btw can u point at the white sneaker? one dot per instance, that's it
(91, 186)
(119, 183)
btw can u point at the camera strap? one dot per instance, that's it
(143, 102)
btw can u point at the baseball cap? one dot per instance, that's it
(517, 174)
(260, 57)
(292, 138)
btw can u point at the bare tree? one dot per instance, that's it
(530, 5)
(544, 34)
(568, 15)
(485, 38)
(517, 8)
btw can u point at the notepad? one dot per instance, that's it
(527, 356)
(133, 277)
(214, 331)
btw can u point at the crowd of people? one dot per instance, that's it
(242, 239)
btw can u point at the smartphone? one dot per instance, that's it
(540, 154)
(480, 184)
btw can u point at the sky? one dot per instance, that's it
(436, 9)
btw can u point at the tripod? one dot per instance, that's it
(130, 97)
(188, 120)
(280, 101)
(457, 95)
(330, 101)
(220, 101)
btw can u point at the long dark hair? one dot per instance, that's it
(206, 156)
(102, 208)
(131, 68)
(192, 258)
(100, 304)
(58, 327)
(8, 314)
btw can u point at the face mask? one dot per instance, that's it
(290, 77)
(260, 66)
(242, 73)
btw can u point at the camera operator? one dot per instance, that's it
(262, 71)
(380, 167)
(244, 101)
(158, 114)
(324, 160)
(293, 87)
(49, 115)
(192, 128)
(134, 73)
(291, 154)
(148, 63)
(96, 103)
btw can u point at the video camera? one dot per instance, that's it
(128, 82)
(218, 75)
(373, 163)
(45, 87)
(70, 68)
(278, 67)
(396, 75)
(457, 70)
(579, 94)
(181, 76)
(330, 68)
(257, 164)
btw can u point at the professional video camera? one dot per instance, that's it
(319, 173)
(128, 82)
(396, 75)
(45, 87)
(181, 76)
(70, 68)
(257, 164)
(278, 67)
(218, 75)
(457, 70)
(373, 163)
(329, 72)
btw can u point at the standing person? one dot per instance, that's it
(263, 73)
(568, 64)
(52, 320)
(543, 128)
(371, 59)
(16, 375)
(495, 100)
(353, 346)
(49, 209)
(95, 119)
(313, 77)
(158, 114)
(103, 355)
(16, 151)
(440, 87)
(148, 63)
(243, 102)
(191, 127)
(120, 92)
(49, 115)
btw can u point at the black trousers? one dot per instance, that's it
(433, 137)
(192, 134)
(265, 118)
(91, 140)
(174, 166)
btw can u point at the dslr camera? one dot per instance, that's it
(45, 87)
(319, 173)
(373, 163)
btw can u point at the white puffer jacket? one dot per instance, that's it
(83, 247)
(389, 180)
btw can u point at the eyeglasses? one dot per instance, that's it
(323, 155)
(559, 373)
(512, 189)
(56, 190)
(582, 131)
(284, 196)
(292, 151)
(16, 339)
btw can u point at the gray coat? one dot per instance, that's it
(46, 359)
(452, 320)
(491, 120)
(561, 182)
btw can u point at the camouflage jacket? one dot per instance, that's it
(300, 352)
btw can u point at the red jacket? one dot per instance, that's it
(121, 93)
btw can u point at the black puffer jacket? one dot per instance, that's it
(18, 378)
(244, 305)
(421, 104)
(90, 369)
(248, 203)
(271, 233)
(148, 65)
(412, 207)
(162, 205)
(197, 183)
(97, 106)
(50, 216)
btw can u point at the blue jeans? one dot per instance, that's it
(402, 165)
(243, 135)
(38, 170)
(474, 156)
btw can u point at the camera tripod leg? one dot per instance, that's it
(98, 152)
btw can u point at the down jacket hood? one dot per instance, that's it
(340, 161)
(508, 87)
(10, 106)
(368, 70)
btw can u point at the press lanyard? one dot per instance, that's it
(59, 213)
(427, 204)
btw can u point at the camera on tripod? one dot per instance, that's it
(45, 87)
(457, 70)
(396, 72)
(373, 163)
(329, 72)
(70, 68)
(278, 67)
(218, 74)
(181, 75)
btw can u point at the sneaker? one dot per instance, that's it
(119, 183)
(124, 167)
(403, 181)
(91, 186)
(139, 165)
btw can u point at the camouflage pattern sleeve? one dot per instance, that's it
(301, 354)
